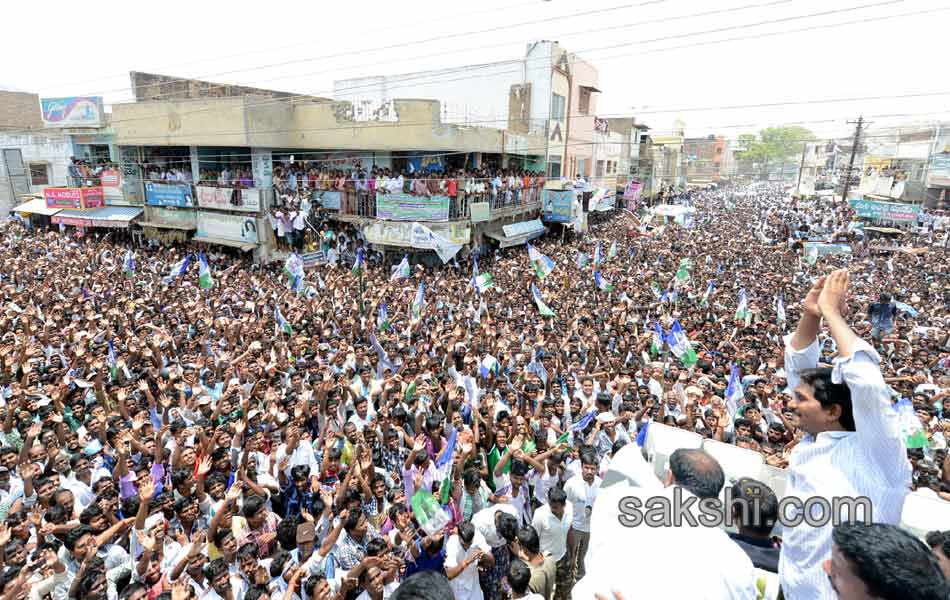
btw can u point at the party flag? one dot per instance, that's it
(568, 436)
(581, 260)
(179, 268)
(655, 288)
(359, 263)
(680, 345)
(656, 346)
(598, 258)
(542, 264)
(282, 323)
(734, 392)
(642, 434)
(542, 307)
(683, 272)
(112, 362)
(419, 301)
(742, 312)
(602, 283)
(612, 252)
(401, 271)
(780, 309)
(444, 465)
(205, 281)
(483, 282)
(709, 290)
(128, 265)
(382, 319)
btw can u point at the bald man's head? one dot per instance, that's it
(698, 472)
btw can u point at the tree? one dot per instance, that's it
(774, 144)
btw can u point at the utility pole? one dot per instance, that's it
(860, 124)
(801, 167)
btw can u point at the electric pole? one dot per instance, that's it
(860, 124)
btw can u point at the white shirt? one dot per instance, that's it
(870, 462)
(544, 483)
(521, 502)
(465, 585)
(484, 523)
(715, 566)
(553, 531)
(581, 495)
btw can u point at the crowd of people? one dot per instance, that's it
(378, 433)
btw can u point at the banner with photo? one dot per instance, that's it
(235, 228)
(556, 205)
(169, 194)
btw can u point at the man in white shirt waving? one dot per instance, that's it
(852, 447)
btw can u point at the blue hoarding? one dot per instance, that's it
(556, 205)
(169, 194)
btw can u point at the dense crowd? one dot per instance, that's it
(356, 428)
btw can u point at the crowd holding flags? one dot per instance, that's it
(734, 392)
(178, 269)
(656, 345)
(709, 290)
(382, 319)
(282, 324)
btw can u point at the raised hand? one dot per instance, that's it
(810, 303)
(834, 294)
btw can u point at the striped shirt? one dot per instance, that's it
(871, 462)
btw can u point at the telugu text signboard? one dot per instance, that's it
(406, 207)
(884, 211)
(556, 205)
(222, 198)
(236, 228)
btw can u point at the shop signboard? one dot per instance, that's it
(110, 178)
(329, 199)
(221, 198)
(169, 194)
(884, 211)
(75, 198)
(72, 111)
(406, 207)
(556, 205)
(236, 228)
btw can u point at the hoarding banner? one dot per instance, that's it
(235, 228)
(406, 207)
(400, 234)
(884, 211)
(631, 193)
(523, 228)
(480, 211)
(822, 248)
(110, 178)
(171, 216)
(330, 200)
(74, 198)
(556, 205)
(169, 194)
(229, 198)
(73, 111)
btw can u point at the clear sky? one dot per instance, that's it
(658, 59)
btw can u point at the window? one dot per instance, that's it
(583, 103)
(554, 166)
(600, 168)
(557, 107)
(39, 174)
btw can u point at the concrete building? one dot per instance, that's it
(549, 94)
(907, 163)
(704, 158)
(667, 161)
(631, 137)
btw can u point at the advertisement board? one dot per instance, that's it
(406, 207)
(72, 111)
(223, 198)
(110, 178)
(75, 198)
(939, 173)
(313, 259)
(556, 205)
(523, 228)
(884, 211)
(184, 219)
(631, 194)
(223, 226)
(169, 194)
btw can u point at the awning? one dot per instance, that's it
(108, 216)
(589, 88)
(36, 206)
(244, 246)
(516, 240)
(159, 225)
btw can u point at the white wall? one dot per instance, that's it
(52, 149)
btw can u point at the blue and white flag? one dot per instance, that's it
(401, 271)
(780, 309)
(907, 308)
(681, 346)
(659, 336)
(709, 290)
(538, 369)
(601, 283)
(128, 264)
(384, 362)
(598, 258)
(642, 434)
(542, 264)
(179, 268)
(742, 311)
(382, 320)
(112, 363)
(359, 263)
(734, 392)
(419, 301)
